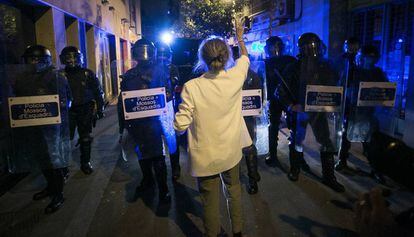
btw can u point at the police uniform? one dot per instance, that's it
(310, 69)
(44, 147)
(87, 105)
(87, 102)
(146, 132)
(275, 106)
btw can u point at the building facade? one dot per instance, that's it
(387, 24)
(102, 29)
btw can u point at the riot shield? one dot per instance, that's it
(164, 79)
(255, 108)
(369, 98)
(319, 105)
(36, 103)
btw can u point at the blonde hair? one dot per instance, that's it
(214, 54)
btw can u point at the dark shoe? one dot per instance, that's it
(86, 168)
(145, 185)
(41, 195)
(55, 204)
(237, 234)
(293, 174)
(378, 177)
(333, 184)
(252, 187)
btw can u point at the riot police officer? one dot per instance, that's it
(87, 105)
(253, 81)
(47, 146)
(310, 69)
(146, 132)
(164, 60)
(275, 61)
(357, 118)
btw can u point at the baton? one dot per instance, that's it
(292, 96)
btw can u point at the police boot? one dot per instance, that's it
(147, 181)
(328, 175)
(48, 174)
(85, 158)
(294, 161)
(250, 155)
(56, 192)
(160, 170)
(175, 165)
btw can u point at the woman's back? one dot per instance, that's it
(214, 131)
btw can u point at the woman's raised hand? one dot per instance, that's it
(239, 25)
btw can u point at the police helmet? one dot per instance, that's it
(39, 56)
(144, 51)
(71, 57)
(351, 46)
(367, 56)
(274, 47)
(310, 45)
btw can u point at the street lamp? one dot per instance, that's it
(167, 37)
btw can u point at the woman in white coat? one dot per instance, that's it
(211, 112)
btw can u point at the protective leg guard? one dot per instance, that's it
(56, 192)
(272, 159)
(175, 165)
(147, 181)
(85, 158)
(48, 174)
(294, 161)
(328, 173)
(250, 155)
(160, 170)
(342, 163)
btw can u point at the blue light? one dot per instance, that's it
(167, 37)
(400, 40)
(257, 47)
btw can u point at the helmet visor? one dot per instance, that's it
(72, 59)
(312, 49)
(144, 53)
